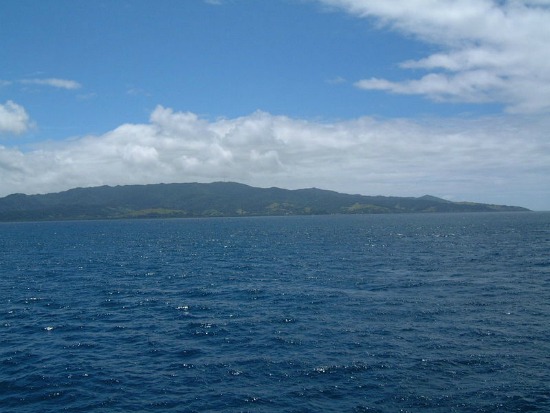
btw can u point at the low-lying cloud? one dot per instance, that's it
(488, 160)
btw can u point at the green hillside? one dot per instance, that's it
(214, 199)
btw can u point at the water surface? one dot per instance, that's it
(376, 313)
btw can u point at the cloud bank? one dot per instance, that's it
(488, 50)
(503, 159)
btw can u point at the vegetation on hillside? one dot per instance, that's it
(214, 200)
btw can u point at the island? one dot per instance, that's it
(217, 199)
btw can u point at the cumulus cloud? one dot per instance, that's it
(489, 160)
(54, 82)
(489, 50)
(13, 118)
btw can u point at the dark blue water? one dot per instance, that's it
(385, 313)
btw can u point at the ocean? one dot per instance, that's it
(370, 313)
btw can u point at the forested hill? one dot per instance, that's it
(214, 199)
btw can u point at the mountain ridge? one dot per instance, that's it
(180, 200)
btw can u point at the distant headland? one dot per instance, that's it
(217, 199)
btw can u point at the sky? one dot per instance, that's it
(406, 97)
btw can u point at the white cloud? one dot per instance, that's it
(502, 160)
(54, 82)
(13, 118)
(470, 86)
(87, 96)
(134, 91)
(336, 80)
(489, 50)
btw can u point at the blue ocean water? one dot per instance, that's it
(375, 313)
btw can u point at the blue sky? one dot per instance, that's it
(450, 98)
